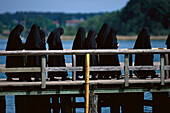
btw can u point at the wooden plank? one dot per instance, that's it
(81, 91)
(126, 70)
(25, 69)
(43, 72)
(93, 104)
(162, 70)
(74, 65)
(81, 82)
(92, 68)
(91, 51)
(166, 63)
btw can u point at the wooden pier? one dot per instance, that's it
(98, 92)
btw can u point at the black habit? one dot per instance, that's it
(100, 39)
(90, 43)
(33, 42)
(14, 43)
(111, 60)
(143, 42)
(78, 44)
(54, 43)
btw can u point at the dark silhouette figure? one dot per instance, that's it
(33, 42)
(54, 43)
(43, 44)
(90, 43)
(143, 42)
(100, 39)
(111, 60)
(14, 43)
(168, 47)
(78, 44)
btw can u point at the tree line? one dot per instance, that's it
(154, 14)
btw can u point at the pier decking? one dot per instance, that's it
(127, 84)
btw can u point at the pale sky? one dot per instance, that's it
(67, 6)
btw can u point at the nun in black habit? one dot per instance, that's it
(78, 44)
(43, 44)
(33, 42)
(143, 42)
(90, 43)
(112, 60)
(14, 43)
(54, 43)
(100, 39)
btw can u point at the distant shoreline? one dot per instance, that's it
(119, 37)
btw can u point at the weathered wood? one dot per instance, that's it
(74, 65)
(2, 104)
(43, 72)
(132, 102)
(130, 64)
(166, 63)
(65, 104)
(55, 104)
(162, 70)
(92, 68)
(160, 102)
(87, 65)
(28, 69)
(95, 51)
(81, 82)
(93, 104)
(126, 70)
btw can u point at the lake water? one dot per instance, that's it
(10, 100)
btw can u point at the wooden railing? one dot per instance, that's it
(43, 69)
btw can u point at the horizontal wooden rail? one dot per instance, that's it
(80, 68)
(92, 51)
(124, 66)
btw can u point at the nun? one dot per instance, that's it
(90, 43)
(143, 42)
(78, 44)
(33, 42)
(14, 43)
(54, 43)
(100, 39)
(112, 60)
(43, 44)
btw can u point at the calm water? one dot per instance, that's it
(10, 100)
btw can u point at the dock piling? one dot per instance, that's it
(87, 65)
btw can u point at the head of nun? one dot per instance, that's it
(54, 37)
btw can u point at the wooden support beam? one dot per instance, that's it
(2, 104)
(130, 64)
(74, 65)
(87, 65)
(126, 70)
(43, 72)
(162, 70)
(166, 63)
(93, 104)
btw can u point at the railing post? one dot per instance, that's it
(162, 71)
(126, 70)
(166, 63)
(74, 65)
(43, 72)
(87, 64)
(130, 64)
